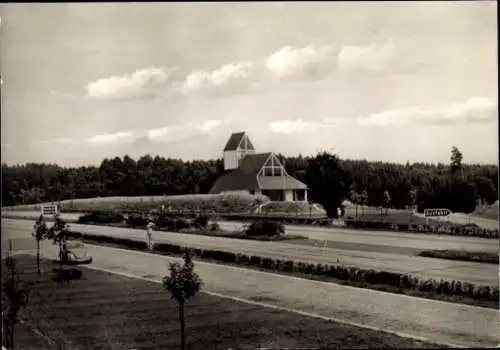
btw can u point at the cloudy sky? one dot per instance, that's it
(381, 81)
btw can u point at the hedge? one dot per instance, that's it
(370, 277)
(136, 220)
(462, 255)
(265, 228)
(101, 218)
(455, 230)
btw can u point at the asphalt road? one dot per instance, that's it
(437, 321)
(486, 274)
(385, 238)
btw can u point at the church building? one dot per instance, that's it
(256, 173)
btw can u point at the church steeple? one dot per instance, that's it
(238, 146)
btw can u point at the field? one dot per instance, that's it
(104, 311)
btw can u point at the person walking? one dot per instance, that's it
(149, 233)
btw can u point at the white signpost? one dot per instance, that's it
(429, 213)
(49, 209)
(434, 213)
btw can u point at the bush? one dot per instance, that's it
(171, 223)
(101, 218)
(214, 226)
(201, 221)
(265, 228)
(137, 220)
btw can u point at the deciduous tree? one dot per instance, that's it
(40, 232)
(183, 283)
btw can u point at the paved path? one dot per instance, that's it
(384, 238)
(477, 273)
(435, 320)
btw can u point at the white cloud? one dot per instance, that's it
(373, 57)
(141, 83)
(289, 61)
(208, 125)
(300, 126)
(122, 136)
(474, 110)
(62, 140)
(185, 130)
(227, 74)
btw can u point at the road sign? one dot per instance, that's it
(436, 212)
(50, 209)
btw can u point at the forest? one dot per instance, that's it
(457, 186)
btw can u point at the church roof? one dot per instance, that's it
(245, 177)
(235, 140)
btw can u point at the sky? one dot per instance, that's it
(388, 81)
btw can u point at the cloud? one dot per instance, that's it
(300, 126)
(373, 57)
(184, 130)
(474, 110)
(228, 76)
(62, 140)
(142, 83)
(121, 136)
(377, 58)
(308, 61)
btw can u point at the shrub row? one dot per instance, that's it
(456, 230)
(101, 218)
(462, 255)
(265, 228)
(136, 220)
(367, 277)
(175, 223)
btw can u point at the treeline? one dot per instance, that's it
(456, 186)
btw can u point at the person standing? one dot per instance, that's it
(149, 233)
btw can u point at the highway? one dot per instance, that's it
(376, 238)
(441, 322)
(477, 273)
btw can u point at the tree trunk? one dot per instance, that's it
(12, 314)
(60, 256)
(183, 325)
(356, 210)
(38, 256)
(12, 332)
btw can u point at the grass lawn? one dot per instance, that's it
(104, 311)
